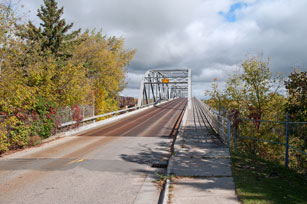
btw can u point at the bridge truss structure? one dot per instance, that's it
(163, 85)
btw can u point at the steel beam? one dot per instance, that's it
(152, 87)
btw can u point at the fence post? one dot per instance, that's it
(219, 106)
(235, 139)
(287, 142)
(229, 132)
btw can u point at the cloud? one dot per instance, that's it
(210, 37)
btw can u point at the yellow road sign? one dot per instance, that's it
(165, 81)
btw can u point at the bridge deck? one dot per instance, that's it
(202, 163)
(110, 164)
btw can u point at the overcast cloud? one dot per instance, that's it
(209, 36)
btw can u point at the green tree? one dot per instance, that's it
(7, 29)
(214, 94)
(235, 92)
(256, 77)
(296, 106)
(53, 34)
(252, 90)
(296, 86)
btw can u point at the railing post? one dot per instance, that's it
(228, 132)
(287, 142)
(93, 108)
(218, 118)
(69, 115)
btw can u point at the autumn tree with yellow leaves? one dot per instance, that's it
(104, 61)
(47, 68)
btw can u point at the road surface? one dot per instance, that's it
(110, 164)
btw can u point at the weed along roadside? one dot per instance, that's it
(260, 181)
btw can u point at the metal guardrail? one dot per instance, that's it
(287, 135)
(66, 114)
(65, 124)
(220, 124)
(107, 114)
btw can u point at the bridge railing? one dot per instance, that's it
(220, 124)
(66, 115)
(95, 117)
(280, 140)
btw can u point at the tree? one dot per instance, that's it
(214, 94)
(296, 86)
(7, 21)
(252, 90)
(254, 93)
(235, 92)
(33, 84)
(52, 35)
(296, 106)
(257, 80)
(37, 77)
(105, 61)
(15, 96)
(47, 58)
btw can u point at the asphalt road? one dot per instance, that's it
(109, 164)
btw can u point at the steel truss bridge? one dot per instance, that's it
(162, 85)
(113, 153)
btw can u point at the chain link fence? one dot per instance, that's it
(278, 141)
(69, 114)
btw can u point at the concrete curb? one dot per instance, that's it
(148, 192)
(165, 193)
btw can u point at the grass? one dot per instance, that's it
(262, 182)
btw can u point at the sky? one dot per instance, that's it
(212, 37)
